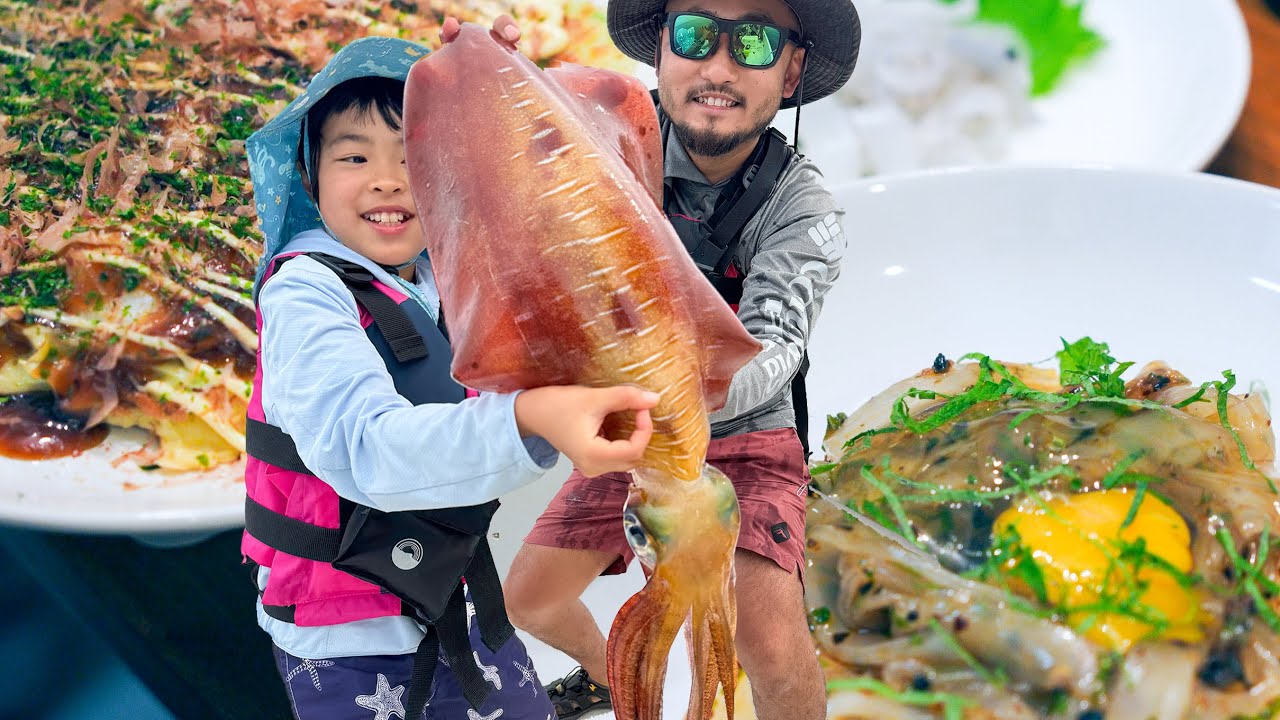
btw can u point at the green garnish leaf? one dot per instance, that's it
(1138, 497)
(952, 705)
(34, 288)
(1089, 364)
(1250, 577)
(1053, 31)
(895, 504)
(1026, 569)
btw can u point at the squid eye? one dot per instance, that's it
(638, 538)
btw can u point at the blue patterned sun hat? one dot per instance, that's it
(283, 206)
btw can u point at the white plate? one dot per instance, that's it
(1177, 267)
(1165, 93)
(91, 494)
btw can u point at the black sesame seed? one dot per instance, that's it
(941, 364)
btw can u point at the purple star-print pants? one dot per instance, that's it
(377, 687)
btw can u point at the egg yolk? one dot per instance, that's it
(1095, 572)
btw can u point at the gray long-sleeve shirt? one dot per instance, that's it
(789, 254)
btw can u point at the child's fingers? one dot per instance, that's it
(506, 27)
(601, 455)
(449, 29)
(619, 455)
(644, 429)
(627, 397)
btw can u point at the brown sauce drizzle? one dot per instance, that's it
(32, 428)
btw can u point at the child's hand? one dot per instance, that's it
(570, 418)
(503, 25)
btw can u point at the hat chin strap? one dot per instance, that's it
(804, 64)
(395, 269)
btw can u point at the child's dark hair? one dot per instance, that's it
(364, 95)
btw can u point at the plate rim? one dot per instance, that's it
(867, 184)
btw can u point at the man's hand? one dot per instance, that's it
(504, 26)
(570, 417)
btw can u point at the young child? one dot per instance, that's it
(354, 408)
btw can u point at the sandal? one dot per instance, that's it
(577, 694)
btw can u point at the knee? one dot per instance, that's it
(773, 657)
(762, 652)
(525, 605)
(530, 601)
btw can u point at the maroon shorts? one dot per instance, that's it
(768, 472)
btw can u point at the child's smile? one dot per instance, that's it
(388, 219)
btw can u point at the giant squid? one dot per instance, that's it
(538, 191)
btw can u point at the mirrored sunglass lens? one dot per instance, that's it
(694, 35)
(757, 44)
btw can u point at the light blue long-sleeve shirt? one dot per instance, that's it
(325, 385)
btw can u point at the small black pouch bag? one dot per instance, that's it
(421, 557)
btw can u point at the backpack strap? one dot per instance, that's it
(726, 230)
(449, 633)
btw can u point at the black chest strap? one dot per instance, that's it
(391, 319)
(729, 220)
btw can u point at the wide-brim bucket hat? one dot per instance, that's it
(283, 205)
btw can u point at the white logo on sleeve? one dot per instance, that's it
(407, 554)
(826, 232)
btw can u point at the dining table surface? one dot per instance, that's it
(1253, 150)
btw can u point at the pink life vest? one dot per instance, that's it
(309, 592)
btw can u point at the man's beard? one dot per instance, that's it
(710, 143)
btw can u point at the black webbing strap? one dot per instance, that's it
(486, 591)
(289, 535)
(392, 321)
(456, 643)
(283, 613)
(449, 633)
(423, 675)
(270, 444)
(800, 403)
(727, 230)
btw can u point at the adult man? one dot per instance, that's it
(725, 67)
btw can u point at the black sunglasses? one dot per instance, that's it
(752, 44)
